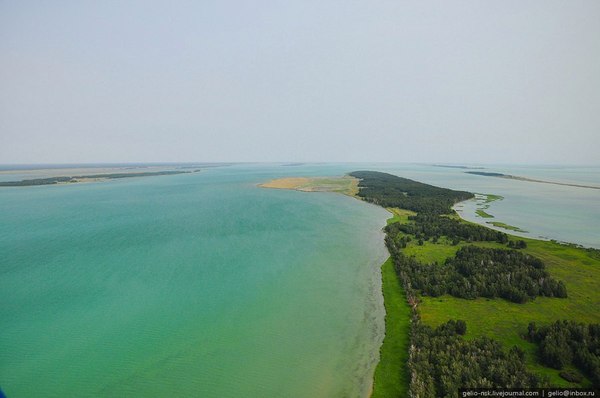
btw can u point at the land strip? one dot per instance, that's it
(512, 177)
(391, 374)
(346, 184)
(504, 321)
(506, 226)
(496, 318)
(89, 178)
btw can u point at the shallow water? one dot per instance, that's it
(189, 285)
(563, 213)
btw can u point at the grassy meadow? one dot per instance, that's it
(507, 322)
(391, 374)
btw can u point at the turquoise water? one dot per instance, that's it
(189, 285)
(206, 285)
(568, 214)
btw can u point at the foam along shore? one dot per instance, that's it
(347, 185)
(88, 178)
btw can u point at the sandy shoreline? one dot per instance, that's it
(347, 185)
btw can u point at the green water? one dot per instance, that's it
(190, 285)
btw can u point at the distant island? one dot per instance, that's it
(293, 164)
(511, 177)
(449, 166)
(88, 178)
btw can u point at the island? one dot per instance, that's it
(450, 166)
(90, 178)
(512, 177)
(469, 306)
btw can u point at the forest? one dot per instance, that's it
(567, 344)
(432, 226)
(388, 190)
(480, 272)
(73, 179)
(441, 360)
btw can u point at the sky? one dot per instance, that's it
(309, 81)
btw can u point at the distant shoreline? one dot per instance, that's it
(449, 166)
(512, 177)
(62, 180)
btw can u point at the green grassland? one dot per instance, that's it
(484, 201)
(391, 374)
(507, 322)
(499, 319)
(399, 215)
(439, 252)
(505, 226)
(346, 185)
(482, 213)
(490, 197)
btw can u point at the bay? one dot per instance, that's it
(188, 285)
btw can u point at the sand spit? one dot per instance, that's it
(347, 185)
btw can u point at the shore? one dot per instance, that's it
(347, 185)
(391, 374)
(485, 317)
(388, 375)
(526, 179)
(482, 203)
(75, 179)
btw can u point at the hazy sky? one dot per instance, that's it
(421, 81)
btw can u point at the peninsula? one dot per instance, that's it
(512, 177)
(455, 291)
(89, 178)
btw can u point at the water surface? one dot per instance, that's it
(188, 285)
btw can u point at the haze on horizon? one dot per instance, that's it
(220, 81)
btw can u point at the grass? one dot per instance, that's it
(391, 374)
(482, 213)
(490, 197)
(487, 199)
(499, 319)
(506, 321)
(431, 252)
(347, 185)
(439, 252)
(505, 226)
(399, 215)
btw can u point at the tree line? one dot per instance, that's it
(567, 343)
(441, 361)
(480, 272)
(388, 190)
(433, 227)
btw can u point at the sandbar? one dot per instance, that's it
(347, 185)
